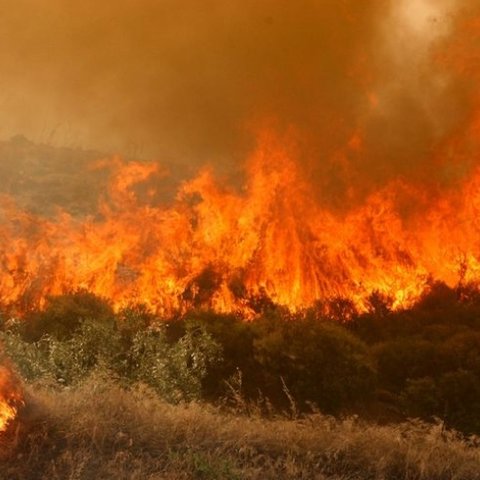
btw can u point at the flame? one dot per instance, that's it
(217, 246)
(220, 247)
(10, 397)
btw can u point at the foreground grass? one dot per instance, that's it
(100, 431)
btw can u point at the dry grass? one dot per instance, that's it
(99, 431)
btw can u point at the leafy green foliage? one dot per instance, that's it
(236, 339)
(63, 314)
(174, 370)
(420, 362)
(319, 362)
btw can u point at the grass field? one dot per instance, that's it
(100, 431)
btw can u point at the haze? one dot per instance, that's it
(185, 82)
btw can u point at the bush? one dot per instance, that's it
(460, 393)
(65, 361)
(423, 361)
(319, 362)
(174, 370)
(235, 338)
(421, 398)
(63, 315)
(403, 359)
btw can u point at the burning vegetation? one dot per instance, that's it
(219, 247)
(382, 199)
(11, 397)
(292, 230)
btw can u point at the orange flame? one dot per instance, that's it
(216, 247)
(10, 397)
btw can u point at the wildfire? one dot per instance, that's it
(222, 247)
(217, 247)
(10, 397)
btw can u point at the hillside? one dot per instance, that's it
(42, 178)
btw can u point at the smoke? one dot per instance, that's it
(183, 81)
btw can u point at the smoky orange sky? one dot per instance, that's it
(183, 81)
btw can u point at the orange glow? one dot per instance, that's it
(216, 246)
(10, 398)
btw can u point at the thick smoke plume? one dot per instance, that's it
(365, 86)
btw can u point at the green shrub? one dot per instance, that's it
(235, 337)
(63, 315)
(405, 358)
(460, 394)
(175, 370)
(319, 362)
(65, 361)
(421, 398)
